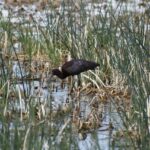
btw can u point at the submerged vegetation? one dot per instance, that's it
(32, 42)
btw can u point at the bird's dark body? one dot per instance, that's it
(74, 67)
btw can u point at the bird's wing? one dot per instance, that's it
(72, 67)
(77, 66)
(84, 65)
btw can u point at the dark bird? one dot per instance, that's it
(74, 67)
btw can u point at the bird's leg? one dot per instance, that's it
(79, 80)
(75, 82)
(78, 84)
(71, 85)
(62, 84)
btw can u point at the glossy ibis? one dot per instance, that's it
(74, 67)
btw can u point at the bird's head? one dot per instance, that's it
(58, 73)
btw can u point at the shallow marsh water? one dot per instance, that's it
(47, 131)
(50, 124)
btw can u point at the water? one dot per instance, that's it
(41, 115)
(41, 16)
(54, 108)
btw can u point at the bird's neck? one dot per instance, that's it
(61, 75)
